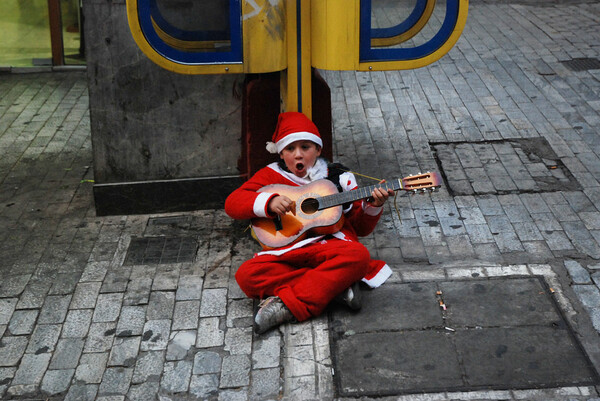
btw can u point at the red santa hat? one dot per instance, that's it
(293, 126)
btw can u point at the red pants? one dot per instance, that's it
(308, 278)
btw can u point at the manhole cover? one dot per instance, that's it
(167, 226)
(496, 333)
(583, 64)
(158, 250)
(502, 167)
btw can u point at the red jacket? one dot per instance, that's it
(360, 217)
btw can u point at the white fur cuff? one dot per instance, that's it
(260, 204)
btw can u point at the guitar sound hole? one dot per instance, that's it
(310, 206)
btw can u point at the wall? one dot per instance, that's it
(156, 135)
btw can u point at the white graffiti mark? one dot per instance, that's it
(257, 9)
(254, 13)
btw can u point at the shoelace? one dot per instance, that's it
(266, 301)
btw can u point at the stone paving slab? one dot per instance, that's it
(364, 368)
(523, 357)
(498, 303)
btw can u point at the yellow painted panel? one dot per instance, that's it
(318, 32)
(289, 83)
(415, 29)
(264, 35)
(335, 34)
(188, 45)
(305, 54)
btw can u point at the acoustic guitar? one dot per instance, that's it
(317, 208)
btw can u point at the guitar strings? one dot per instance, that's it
(378, 180)
(366, 176)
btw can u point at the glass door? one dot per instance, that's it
(26, 27)
(72, 31)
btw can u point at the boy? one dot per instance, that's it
(299, 280)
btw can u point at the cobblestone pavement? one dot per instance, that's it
(512, 127)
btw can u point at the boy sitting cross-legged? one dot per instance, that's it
(297, 281)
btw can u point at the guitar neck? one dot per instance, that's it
(360, 193)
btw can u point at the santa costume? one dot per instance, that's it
(308, 274)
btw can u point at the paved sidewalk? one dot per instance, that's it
(513, 128)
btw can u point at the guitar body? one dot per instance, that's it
(304, 220)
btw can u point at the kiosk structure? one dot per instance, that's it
(279, 46)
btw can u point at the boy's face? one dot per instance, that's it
(299, 156)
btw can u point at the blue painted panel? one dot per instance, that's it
(384, 54)
(404, 26)
(146, 8)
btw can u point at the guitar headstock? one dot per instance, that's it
(422, 182)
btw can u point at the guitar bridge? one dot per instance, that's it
(277, 222)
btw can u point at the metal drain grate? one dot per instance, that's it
(159, 250)
(173, 226)
(502, 167)
(583, 64)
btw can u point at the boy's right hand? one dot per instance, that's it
(280, 205)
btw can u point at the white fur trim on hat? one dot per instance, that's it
(298, 136)
(271, 147)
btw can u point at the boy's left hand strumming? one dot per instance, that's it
(380, 196)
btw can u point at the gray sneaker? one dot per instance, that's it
(351, 297)
(272, 312)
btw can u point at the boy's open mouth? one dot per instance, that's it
(299, 166)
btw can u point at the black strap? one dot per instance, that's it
(334, 171)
